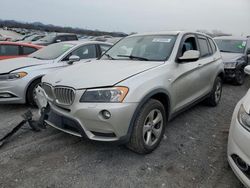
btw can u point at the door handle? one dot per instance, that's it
(200, 65)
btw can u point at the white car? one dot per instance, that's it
(239, 139)
(20, 76)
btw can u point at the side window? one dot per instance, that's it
(28, 50)
(86, 52)
(204, 48)
(104, 47)
(213, 46)
(189, 44)
(71, 37)
(61, 38)
(9, 50)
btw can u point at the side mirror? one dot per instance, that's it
(190, 55)
(73, 58)
(247, 70)
(58, 40)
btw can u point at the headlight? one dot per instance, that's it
(12, 76)
(230, 65)
(244, 118)
(115, 94)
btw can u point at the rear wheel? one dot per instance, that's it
(215, 96)
(149, 128)
(31, 92)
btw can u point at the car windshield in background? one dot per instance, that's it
(52, 51)
(231, 46)
(144, 48)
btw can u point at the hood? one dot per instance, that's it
(9, 65)
(99, 73)
(230, 57)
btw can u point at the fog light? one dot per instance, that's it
(5, 95)
(106, 114)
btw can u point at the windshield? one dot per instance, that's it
(52, 51)
(145, 48)
(231, 46)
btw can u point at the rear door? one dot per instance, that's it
(207, 63)
(9, 51)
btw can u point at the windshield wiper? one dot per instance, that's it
(134, 57)
(109, 56)
(37, 58)
(227, 51)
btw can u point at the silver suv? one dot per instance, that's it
(136, 87)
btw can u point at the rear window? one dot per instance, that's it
(28, 50)
(204, 49)
(213, 46)
(9, 50)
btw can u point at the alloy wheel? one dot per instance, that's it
(152, 128)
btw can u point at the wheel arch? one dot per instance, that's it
(159, 94)
(28, 85)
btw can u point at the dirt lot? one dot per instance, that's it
(192, 154)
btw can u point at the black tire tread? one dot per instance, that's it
(136, 144)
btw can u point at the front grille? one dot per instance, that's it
(48, 90)
(64, 95)
(60, 95)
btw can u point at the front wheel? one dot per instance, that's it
(149, 128)
(215, 96)
(31, 92)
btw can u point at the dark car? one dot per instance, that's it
(56, 37)
(235, 52)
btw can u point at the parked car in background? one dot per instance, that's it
(32, 38)
(19, 77)
(5, 38)
(15, 49)
(139, 84)
(235, 52)
(55, 38)
(22, 37)
(238, 151)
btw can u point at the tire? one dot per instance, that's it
(215, 96)
(147, 135)
(239, 77)
(30, 96)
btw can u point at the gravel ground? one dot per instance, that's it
(192, 153)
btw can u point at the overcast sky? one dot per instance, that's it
(232, 16)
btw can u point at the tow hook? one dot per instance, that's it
(36, 126)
